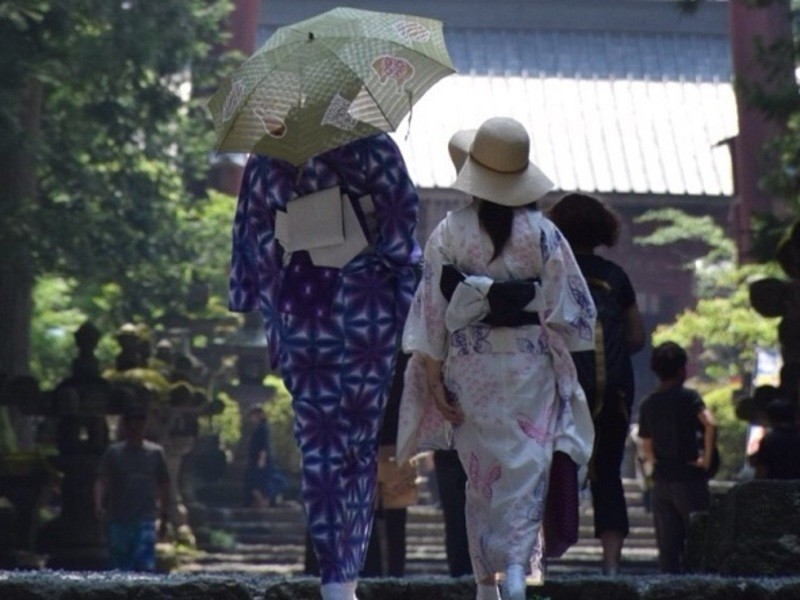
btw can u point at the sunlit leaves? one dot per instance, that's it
(722, 324)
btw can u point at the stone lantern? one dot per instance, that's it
(79, 404)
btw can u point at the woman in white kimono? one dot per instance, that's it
(496, 354)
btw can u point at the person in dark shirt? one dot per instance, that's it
(668, 423)
(778, 455)
(605, 373)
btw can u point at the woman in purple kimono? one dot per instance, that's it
(326, 251)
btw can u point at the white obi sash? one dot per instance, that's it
(326, 225)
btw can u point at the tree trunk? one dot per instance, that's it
(18, 181)
(16, 284)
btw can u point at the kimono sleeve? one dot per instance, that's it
(243, 282)
(570, 310)
(256, 261)
(397, 205)
(425, 329)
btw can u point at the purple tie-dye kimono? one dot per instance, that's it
(332, 333)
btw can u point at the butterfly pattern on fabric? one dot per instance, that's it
(581, 322)
(515, 383)
(535, 430)
(483, 481)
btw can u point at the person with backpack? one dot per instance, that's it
(606, 372)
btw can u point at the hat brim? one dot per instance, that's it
(459, 146)
(508, 189)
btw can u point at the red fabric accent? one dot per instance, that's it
(561, 518)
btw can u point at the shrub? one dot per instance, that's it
(731, 431)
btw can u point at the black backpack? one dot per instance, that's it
(606, 373)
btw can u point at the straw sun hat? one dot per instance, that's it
(496, 165)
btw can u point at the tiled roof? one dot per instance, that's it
(607, 112)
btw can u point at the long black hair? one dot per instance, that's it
(496, 220)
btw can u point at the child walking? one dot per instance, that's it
(668, 422)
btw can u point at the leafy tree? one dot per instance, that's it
(61, 305)
(722, 324)
(104, 149)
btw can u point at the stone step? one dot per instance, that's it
(293, 513)
(271, 541)
(289, 524)
(638, 537)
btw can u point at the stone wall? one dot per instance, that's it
(50, 585)
(752, 530)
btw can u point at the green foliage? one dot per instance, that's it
(217, 538)
(122, 225)
(725, 327)
(227, 424)
(677, 226)
(8, 437)
(281, 426)
(121, 149)
(56, 318)
(723, 323)
(731, 432)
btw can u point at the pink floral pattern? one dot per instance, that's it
(516, 386)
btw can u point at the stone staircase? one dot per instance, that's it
(271, 541)
(639, 554)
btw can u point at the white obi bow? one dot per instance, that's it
(326, 225)
(470, 303)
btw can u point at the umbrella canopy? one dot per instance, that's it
(325, 81)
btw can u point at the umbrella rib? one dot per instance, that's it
(377, 105)
(245, 98)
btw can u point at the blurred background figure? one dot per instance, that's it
(451, 480)
(605, 373)
(263, 484)
(778, 455)
(132, 482)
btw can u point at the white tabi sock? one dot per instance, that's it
(338, 591)
(514, 584)
(486, 592)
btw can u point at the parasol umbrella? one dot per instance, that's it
(323, 82)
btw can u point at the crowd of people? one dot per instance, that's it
(515, 345)
(509, 340)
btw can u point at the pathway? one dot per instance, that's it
(270, 541)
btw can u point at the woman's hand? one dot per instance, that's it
(450, 411)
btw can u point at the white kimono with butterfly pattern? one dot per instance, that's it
(516, 386)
